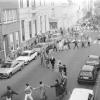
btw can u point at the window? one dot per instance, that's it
(23, 31)
(40, 23)
(32, 53)
(30, 29)
(45, 22)
(27, 3)
(24, 54)
(17, 39)
(11, 42)
(21, 3)
(35, 27)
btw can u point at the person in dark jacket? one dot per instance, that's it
(9, 93)
(60, 67)
(83, 44)
(65, 69)
(52, 60)
(57, 86)
(68, 44)
(76, 44)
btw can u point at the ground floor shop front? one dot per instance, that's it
(9, 39)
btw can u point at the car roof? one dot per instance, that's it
(87, 68)
(80, 94)
(93, 56)
(92, 62)
(27, 51)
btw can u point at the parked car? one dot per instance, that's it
(94, 61)
(27, 56)
(87, 74)
(8, 69)
(82, 94)
(94, 57)
(38, 48)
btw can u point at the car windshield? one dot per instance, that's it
(6, 65)
(14, 64)
(92, 59)
(86, 73)
(24, 54)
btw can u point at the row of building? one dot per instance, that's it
(20, 22)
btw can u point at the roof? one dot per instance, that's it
(94, 62)
(80, 94)
(93, 56)
(27, 51)
(87, 68)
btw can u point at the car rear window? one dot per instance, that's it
(84, 73)
(24, 54)
(6, 65)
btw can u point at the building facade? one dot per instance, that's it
(20, 22)
(9, 29)
(33, 18)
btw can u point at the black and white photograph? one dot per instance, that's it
(49, 49)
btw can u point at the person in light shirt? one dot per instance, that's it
(28, 92)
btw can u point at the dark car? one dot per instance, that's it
(87, 74)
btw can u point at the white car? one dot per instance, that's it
(82, 94)
(8, 69)
(27, 56)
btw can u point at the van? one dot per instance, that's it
(82, 94)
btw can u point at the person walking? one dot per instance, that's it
(9, 93)
(47, 60)
(52, 60)
(28, 92)
(68, 44)
(76, 44)
(42, 89)
(65, 70)
(60, 67)
(64, 83)
(55, 47)
(88, 43)
(42, 60)
(82, 44)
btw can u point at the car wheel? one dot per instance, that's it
(21, 67)
(28, 62)
(78, 81)
(10, 75)
(35, 57)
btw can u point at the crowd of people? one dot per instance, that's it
(51, 63)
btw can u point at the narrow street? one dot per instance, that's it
(33, 73)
